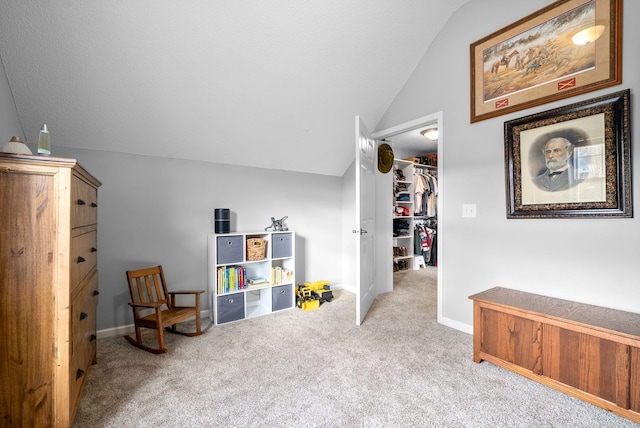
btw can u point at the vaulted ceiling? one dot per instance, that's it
(272, 84)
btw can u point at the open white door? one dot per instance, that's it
(366, 148)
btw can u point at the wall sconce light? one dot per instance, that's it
(588, 35)
(430, 134)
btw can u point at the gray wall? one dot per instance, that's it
(588, 260)
(158, 211)
(9, 120)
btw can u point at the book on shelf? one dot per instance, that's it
(231, 278)
(287, 276)
(280, 275)
(258, 285)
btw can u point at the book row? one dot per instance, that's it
(234, 278)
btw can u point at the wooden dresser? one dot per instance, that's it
(48, 288)
(589, 352)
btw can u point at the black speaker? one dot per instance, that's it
(222, 218)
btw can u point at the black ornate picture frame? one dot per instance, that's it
(572, 161)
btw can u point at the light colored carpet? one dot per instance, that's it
(318, 369)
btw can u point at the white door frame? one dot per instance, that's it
(409, 126)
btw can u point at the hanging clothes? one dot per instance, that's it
(426, 193)
(423, 240)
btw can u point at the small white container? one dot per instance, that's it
(44, 141)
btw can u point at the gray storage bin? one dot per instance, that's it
(281, 297)
(230, 307)
(229, 249)
(282, 245)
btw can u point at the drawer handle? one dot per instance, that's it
(93, 337)
(83, 315)
(94, 205)
(81, 202)
(282, 291)
(96, 292)
(79, 374)
(94, 249)
(81, 260)
(230, 301)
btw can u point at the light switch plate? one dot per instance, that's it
(469, 210)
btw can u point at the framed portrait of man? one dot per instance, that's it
(570, 162)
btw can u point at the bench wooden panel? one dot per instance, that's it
(590, 352)
(634, 393)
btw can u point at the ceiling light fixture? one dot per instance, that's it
(430, 134)
(588, 35)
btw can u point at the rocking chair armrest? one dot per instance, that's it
(146, 305)
(187, 292)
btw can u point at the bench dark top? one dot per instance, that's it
(612, 320)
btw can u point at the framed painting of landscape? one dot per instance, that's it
(567, 48)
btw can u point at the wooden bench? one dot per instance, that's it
(589, 352)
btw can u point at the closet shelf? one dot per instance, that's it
(409, 230)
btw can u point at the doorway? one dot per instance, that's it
(408, 141)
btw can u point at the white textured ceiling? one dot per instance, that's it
(273, 84)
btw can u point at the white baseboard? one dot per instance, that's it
(344, 287)
(128, 329)
(115, 331)
(465, 328)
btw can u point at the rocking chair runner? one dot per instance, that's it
(149, 292)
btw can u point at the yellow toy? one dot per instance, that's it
(322, 290)
(306, 299)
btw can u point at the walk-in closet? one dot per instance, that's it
(415, 199)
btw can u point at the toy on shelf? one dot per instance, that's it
(277, 225)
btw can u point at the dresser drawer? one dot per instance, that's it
(84, 256)
(83, 336)
(84, 203)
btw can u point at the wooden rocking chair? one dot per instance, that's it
(149, 292)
